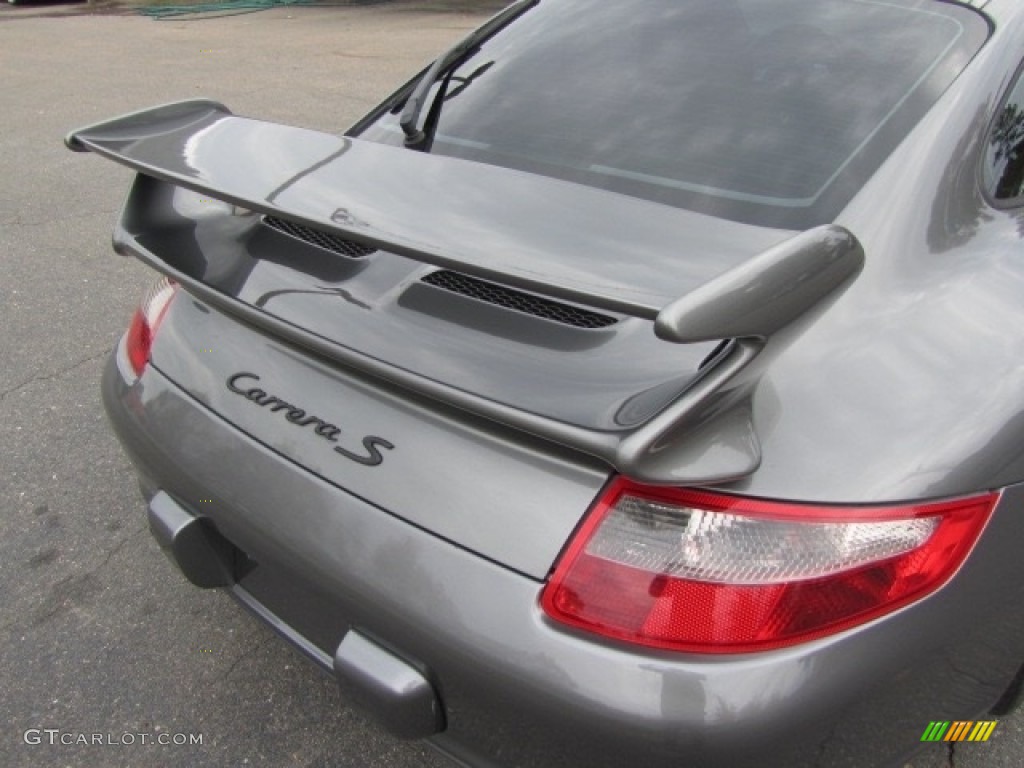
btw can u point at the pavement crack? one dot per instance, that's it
(48, 376)
(227, 673)
(242, 655)
(76, 589)
(106, 560)
(117, 548)
(951, 755)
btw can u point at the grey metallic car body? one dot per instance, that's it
(895, 377)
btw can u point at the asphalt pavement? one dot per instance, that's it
(102, 640)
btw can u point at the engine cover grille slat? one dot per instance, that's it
(326, 240)
(519, 301)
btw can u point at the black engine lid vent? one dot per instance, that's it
(326, 240)
(509, 298)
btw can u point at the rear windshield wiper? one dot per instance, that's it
(416, 137)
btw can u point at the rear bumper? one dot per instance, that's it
(515, 689)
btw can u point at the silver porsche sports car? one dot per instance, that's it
(640, 384)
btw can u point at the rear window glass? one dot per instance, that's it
(771, 112)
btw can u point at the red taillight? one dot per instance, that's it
(703, 572)
(145, 321)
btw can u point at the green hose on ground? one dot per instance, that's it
(225, 8)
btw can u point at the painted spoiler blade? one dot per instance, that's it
(582, 244)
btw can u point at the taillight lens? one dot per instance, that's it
(146, 320)
(704, 572)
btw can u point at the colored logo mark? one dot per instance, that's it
(959, 730)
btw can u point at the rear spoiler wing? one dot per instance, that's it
(423, 207)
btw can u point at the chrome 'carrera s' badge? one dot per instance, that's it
(372, 445)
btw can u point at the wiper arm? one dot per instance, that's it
(415, 137)
(465, 82)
